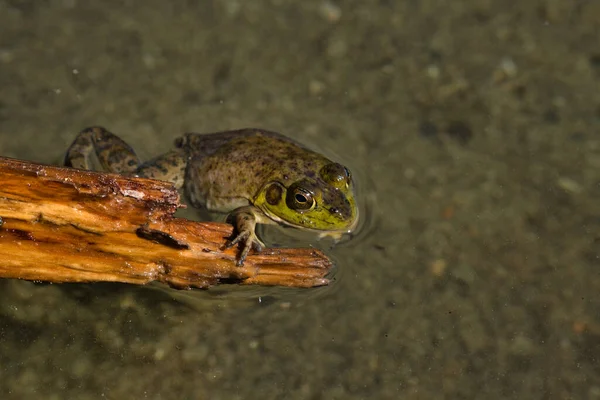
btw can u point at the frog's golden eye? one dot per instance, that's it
(336, 175)
(299, 199)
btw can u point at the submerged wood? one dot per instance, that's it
(68, 225)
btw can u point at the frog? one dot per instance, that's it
(254, 175)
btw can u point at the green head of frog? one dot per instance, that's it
(323, 201)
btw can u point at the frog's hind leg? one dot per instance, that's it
(115, 155)
(169, 167)
(112, 152)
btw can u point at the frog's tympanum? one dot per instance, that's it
(254, 175)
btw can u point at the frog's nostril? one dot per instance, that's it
(334, 210)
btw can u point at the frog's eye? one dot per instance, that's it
(299, 199)
(336, 175)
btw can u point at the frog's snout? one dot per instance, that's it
(340, 212)
(343, 210)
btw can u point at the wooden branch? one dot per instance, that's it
(68, 225)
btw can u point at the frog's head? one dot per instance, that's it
(324, 202)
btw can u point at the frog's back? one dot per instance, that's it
(229, 168)
(202, 145)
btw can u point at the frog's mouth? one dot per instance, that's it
(337, 235)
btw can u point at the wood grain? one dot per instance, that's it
(68, 225)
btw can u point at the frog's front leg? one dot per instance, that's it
(244, 219)
(115, 155)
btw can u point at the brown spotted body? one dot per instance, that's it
(257, 176)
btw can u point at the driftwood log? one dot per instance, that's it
(68, 225)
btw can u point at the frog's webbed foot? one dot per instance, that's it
(244, 220)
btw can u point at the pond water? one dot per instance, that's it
(472, 128)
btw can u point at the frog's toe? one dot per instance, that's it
(257, 245)
(250, 241)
